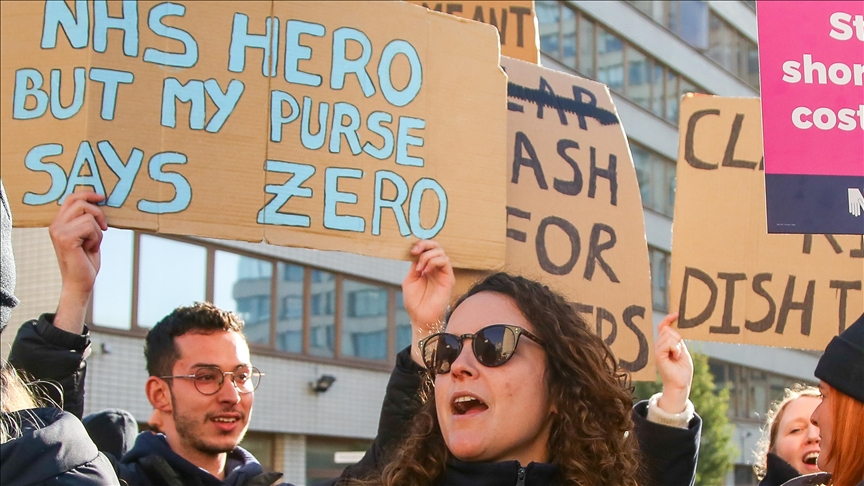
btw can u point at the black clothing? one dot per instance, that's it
(152, 462)
(53, 448)
(669, 453)
(498, 473)
(842, 363)
(112, 430)
(777, 471)
(43, 351)
(815, 479)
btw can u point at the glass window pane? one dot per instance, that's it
(289, 317)
(322, 313)
(638, 78)
(242, 285)
(672, 96)
(322, 454)
(112, 292)
(586, 47)
(759, 393)
(610, 59)
(694, 23)
(364, 322)
(658, 75)
(548, 23)
(659, 278)
(660, 190)
(749, 60)
(260, 445)
(170, 274)
(721, 43)
(403, 324)
(671, 170)
(642, 162)
(568, 37)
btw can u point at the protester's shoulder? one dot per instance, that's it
(54, 447)
(816, 479)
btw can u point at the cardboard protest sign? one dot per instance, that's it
(731, 280)
(574, 210)
(811, 60)
(515, 21)
(338, 126)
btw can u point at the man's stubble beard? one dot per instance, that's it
(186, 425)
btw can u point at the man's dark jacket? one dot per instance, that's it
(151, 462)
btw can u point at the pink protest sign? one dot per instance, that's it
(811, 60)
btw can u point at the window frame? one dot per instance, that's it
(268, 349)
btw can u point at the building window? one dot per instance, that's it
(285, 306)
(695, 23)
(261, 445)
(171, 274)
(364, 328)
(403, 324)
(548, 18)
(242, 285)
(660, 265)
(593, 51)
(326, 457)
(751, 391)
(289, 325)
(112, 293)
(322, 314)
(656, 176)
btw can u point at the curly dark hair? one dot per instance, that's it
(160, 351)
(591, 440)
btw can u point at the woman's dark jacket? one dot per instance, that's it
(777, 471)
(669, 453)
(53, 448)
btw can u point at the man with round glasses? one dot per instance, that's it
(201, 384)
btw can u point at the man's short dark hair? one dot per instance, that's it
(160, 350)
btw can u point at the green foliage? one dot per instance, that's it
(716, 451)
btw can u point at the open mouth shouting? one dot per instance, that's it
(464, 404)
(809, 460)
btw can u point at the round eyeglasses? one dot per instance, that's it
(208, 380)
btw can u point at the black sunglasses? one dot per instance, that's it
(493, 346)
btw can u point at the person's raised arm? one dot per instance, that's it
(426, 292)
(53, 347)
(77, 235)
(667, 427)
(674, 365)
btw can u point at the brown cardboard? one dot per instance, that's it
(609, 281)
(719, 236)
(217, 175)
(515, 20)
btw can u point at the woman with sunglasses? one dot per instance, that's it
(525, 393)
